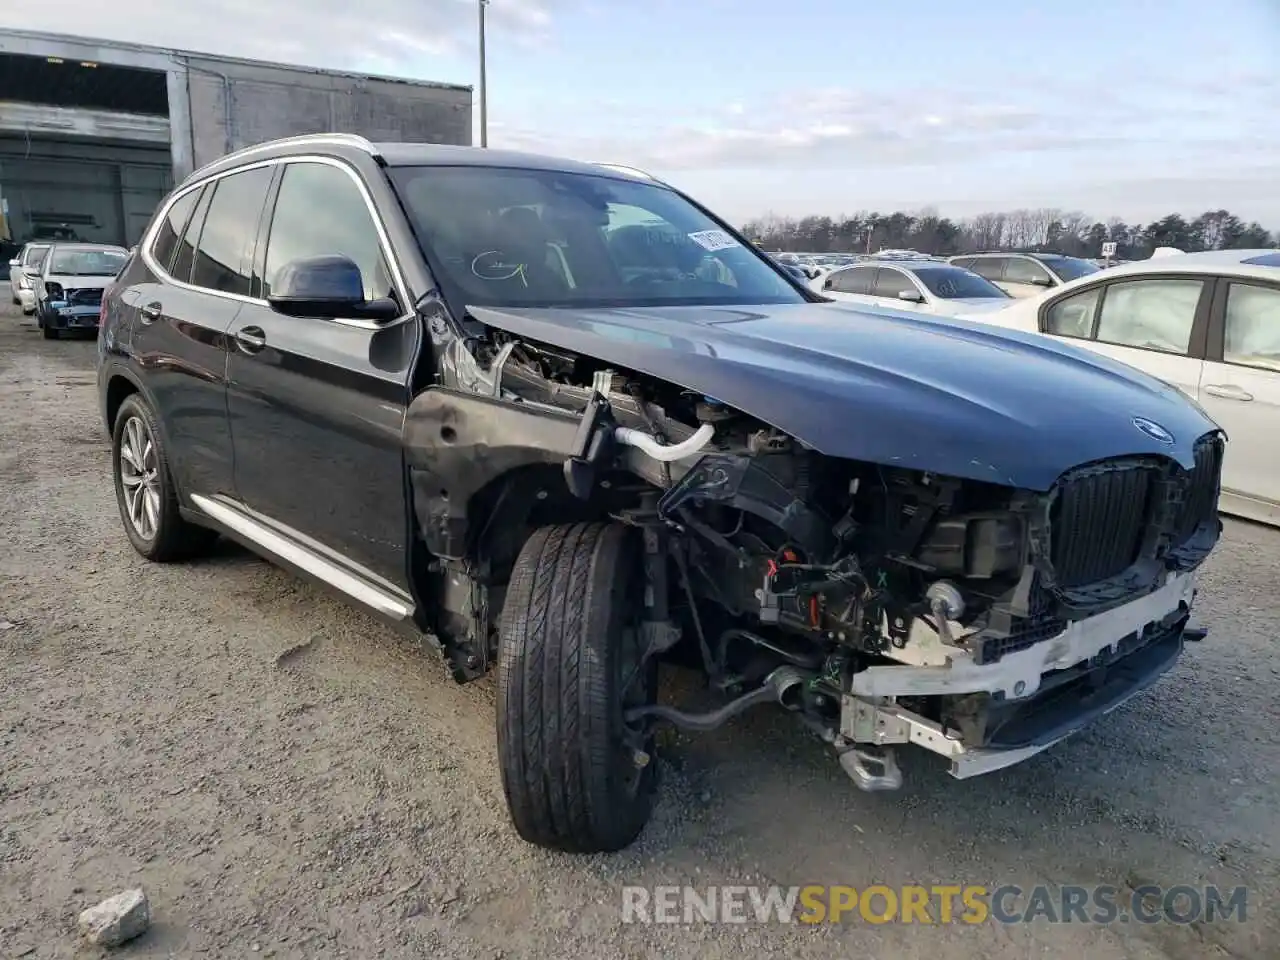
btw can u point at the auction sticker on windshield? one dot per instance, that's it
(713, 240)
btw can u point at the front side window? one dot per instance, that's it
(224, 253)
(171, 228)
(320, 211)
(81, 262)
(859, 280)
(1151, 314)
(1025, 270)
(893, 283)
(508, 237)
(989, 267)
(34, 254)
(1252, 333)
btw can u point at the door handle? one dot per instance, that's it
(151, 312)
(1228, 391)
(251, 339)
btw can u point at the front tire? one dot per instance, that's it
(570, 639)
(145, 491)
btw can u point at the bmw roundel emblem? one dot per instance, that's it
(1153, 430)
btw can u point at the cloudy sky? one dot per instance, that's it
(1117, 107)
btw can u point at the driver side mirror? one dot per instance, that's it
(911, 296)
(1042, 281)
(15, 262)
(328, 287)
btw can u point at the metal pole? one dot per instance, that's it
(484, 87)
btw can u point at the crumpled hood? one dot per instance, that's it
(72, 282)
(899, 388)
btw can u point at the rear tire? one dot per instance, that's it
(145, 491)
(569, 639)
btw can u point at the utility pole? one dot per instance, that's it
(484, 86)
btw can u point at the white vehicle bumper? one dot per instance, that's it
(870, 715)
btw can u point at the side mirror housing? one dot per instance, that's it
(911, 296)
(327, 287)
(1043, 281)
(15, 262)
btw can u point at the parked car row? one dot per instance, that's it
(1207, 323)
(62, 283)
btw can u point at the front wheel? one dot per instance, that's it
(575, 778)
(145, 491)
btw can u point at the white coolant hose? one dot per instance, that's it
(642, 441)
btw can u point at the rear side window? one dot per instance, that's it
(171, 228)
(186, 252)
(224, 254)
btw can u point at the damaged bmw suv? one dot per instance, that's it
(562, 422)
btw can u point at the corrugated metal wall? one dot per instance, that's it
(235, 105)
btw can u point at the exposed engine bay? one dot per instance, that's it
(880, 604)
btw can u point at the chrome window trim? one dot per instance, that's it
(384, 240)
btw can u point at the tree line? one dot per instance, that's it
(1044, 229)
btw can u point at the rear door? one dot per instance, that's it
(1241, 390)
(180, 331)
(1157, 324)
(317, 405)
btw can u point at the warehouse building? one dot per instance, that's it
(93, 133)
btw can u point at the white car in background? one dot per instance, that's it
(1026, 274)
(22, 269)
(929, 286)
(1207, 323)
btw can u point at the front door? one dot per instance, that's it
(317, 405)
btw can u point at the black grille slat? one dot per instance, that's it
(1099, 524)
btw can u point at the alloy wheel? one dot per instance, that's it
(139, 478)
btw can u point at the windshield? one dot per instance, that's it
(1070, 268)
(87, 263)
(539, 238)
(956, 283)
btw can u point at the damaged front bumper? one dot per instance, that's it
(1036, 697)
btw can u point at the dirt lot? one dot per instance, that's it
(287, 778)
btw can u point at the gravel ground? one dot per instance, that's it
(288, 778)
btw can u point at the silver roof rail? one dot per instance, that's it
(353, 140)
(623, 168)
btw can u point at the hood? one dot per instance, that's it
(73, 282)
(946, 395)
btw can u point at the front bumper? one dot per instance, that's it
(1038, 696)
(70, 318)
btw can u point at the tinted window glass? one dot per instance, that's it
(1024, 270)
(185, 255)
(855, 280)
(532, 237)
(171, 228)
(1073, 317)
(319, 212)
(989, 267)
(1152, 314)
(224, 257)
(1252, 335)
(1071, 268)
(891, 283)
(953, 283)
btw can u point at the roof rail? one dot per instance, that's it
(318, 139)
(623, 168)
